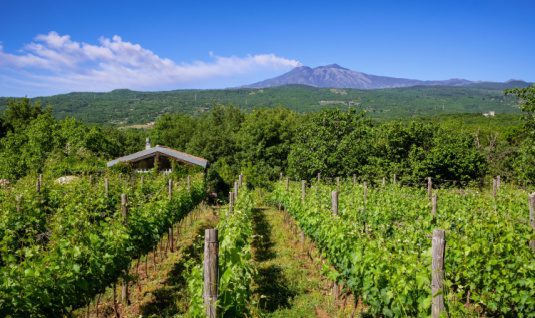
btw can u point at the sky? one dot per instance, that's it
(51, 47)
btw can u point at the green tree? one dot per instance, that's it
(265, 139)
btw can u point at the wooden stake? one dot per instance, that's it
(18, 200)
(38, 184)
(494, 187)
(280, 176)
(106, 186)
(303, 189)
(498, 182)
(236, 187)
(169, 189)
(188, 185)
(437, 272)
(334, 202)
(354, 179)
(532, 217)
(124, 212)
(319, 176)
(429, 187)
(434, 206)
(384, 181)
(230, 202)
(211, 263)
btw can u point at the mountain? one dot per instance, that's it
(336, 76)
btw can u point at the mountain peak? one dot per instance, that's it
(336, 76)
(333, 66)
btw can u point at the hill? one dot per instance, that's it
(132, 107)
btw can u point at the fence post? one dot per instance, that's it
(230, 202)
(532, 217)
(384, 181)
(429, 187)
(354, 179)
(106, 186)
(334, 202)
(494, 187)
(319, 176)
(498, 182)
(236, 187)
(434, 206)
(280, 176)
(211, 264)
(124, 212)
(170, 188)
(303, 190)
(189, 183)
(437, 272)
(18, 200)
(38, 184)
(365, 193)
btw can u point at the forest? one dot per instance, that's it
(262, 143)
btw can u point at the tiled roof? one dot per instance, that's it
(177, 155)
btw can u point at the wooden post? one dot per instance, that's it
(124, 212)
(287, 184)
(18, 200)
(142, 181)
(384, 181)
(437, 272)
(532, 217)
(429, 187)
(240, 179)
(189, 183)
(319, 176)
(498, 182)
(230, 202)
(334, 202)
(494, 187)
(354, 179)
(303, 190)
(106, 186)
(211, 264)
(38, 184)
(434, 205)
(236, 187)
(170, 188)
(280, 176)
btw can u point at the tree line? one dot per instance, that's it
(267, 141)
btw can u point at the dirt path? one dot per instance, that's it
(158, 288)
(289, 282)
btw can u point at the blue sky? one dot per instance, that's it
(49, 47)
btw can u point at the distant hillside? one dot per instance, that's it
(335, 76)
(129, 107)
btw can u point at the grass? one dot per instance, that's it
(289, 283)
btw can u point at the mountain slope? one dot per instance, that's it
(132, 107)
(335, 76)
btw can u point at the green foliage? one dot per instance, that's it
(236, 269)
(62, 247)
(126, 107)
(381, 249)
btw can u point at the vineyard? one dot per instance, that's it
(64, 244)
(378, 240)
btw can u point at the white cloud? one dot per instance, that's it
(56, 61)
